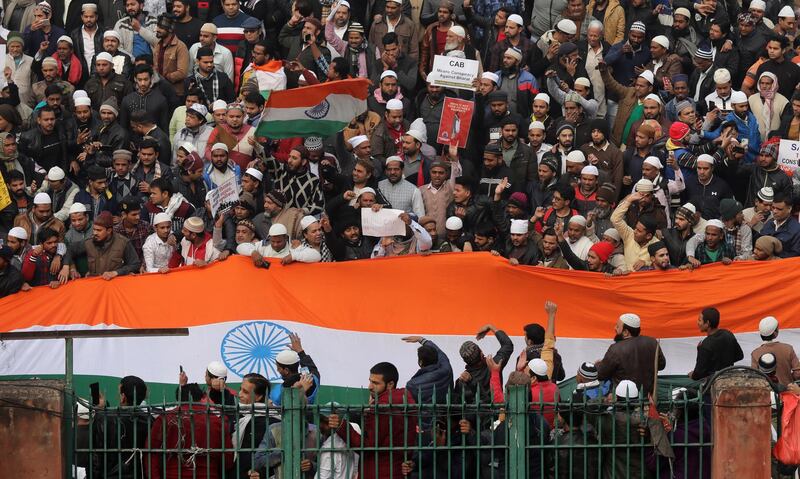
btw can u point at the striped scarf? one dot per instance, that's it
(324, 251)
(214, 84)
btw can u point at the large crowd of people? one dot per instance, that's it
(396, 433)
(611, 137)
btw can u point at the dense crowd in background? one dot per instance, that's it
(610, 137)
(432, 425)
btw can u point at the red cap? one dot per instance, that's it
(603, 250)
(678, 130)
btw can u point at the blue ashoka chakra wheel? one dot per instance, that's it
(252, 347)
(319, 111)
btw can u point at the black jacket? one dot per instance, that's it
(30, 144)
(10, 281)
(478, 386)
(675, 245)
(153, 102)
(117, 86)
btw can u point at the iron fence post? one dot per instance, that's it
(517, 426)
(68, 423)
(292, 430)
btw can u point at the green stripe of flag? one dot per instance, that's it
(277, 129)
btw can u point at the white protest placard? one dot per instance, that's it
(224, 194)
(789, 155)
(384, 222)
(452, 72)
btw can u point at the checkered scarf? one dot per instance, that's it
(214, 83)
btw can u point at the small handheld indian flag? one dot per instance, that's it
(317, 110)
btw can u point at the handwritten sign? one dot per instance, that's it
(384, 222)
(789, 156)
(452, 72)
(224, 195)
(455, 121)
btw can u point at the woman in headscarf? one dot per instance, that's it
(769, 106)
(11, 159)
(767, 248)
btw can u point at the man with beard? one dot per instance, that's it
(416, 167)
(596, 257)
(675, 238)
(87, 38)
(105, 83)
(487, 128)
(711, 247)
(540, 111)
(659, 258)
(96, 195)
(20, 66)
(223, 58)
(353, 47)
(21, 201)
(387, 91)
(214, 84)
(296, 181)
(473, 209)
(516, 208)
(121, 61)
(50, 77)
(540, 190)
(395, 21)
(536, 137)
(39, 217)
(683, 37)
(721, 96)
(171, 55)
(148, 166)
(494, 171)
(746, 125)
(131, 224)
(518, 156)
(577, 240)
(598, 219)
(652, 109)
(61, 190)
(80, 230)
(137, 30)
(632, 356)
(196, 131)
(251, 29)
(635, 240)
(434, 39)
(263, 69)
(312, 248)
(41, 30)
(630, 107)
(220, 169)
(186, 28)
(276, 212)
(551, 253)
(680, 92)
(519, 248)
(575, 162)
(196, 247)
(145, 98)
(604, 155)
(586, 190)
(737, 236)
(646, 206)
(122, 183)
(37, 264)
(235, 131)
(81, 127)
(428, 107)
(416, 240)
(164, 199)
(46, 142)
(109, 137)
(386, 139)
(565, 137)
(188, 177)
(520, 85)
(665, 189)
(575, 115)
(437, 194)
(346, 242)
(339, 19)
(109, 254)
(760, 212)
(629, 57)
(706, 190)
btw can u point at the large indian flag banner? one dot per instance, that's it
(352, 315)
(317, 110)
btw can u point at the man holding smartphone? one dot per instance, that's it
(41, 34)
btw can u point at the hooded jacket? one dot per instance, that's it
(432, 383)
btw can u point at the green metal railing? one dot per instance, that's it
(594, 439)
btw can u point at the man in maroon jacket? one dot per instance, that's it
(394, 429)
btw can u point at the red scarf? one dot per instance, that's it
(75, 69)
(397, 136)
